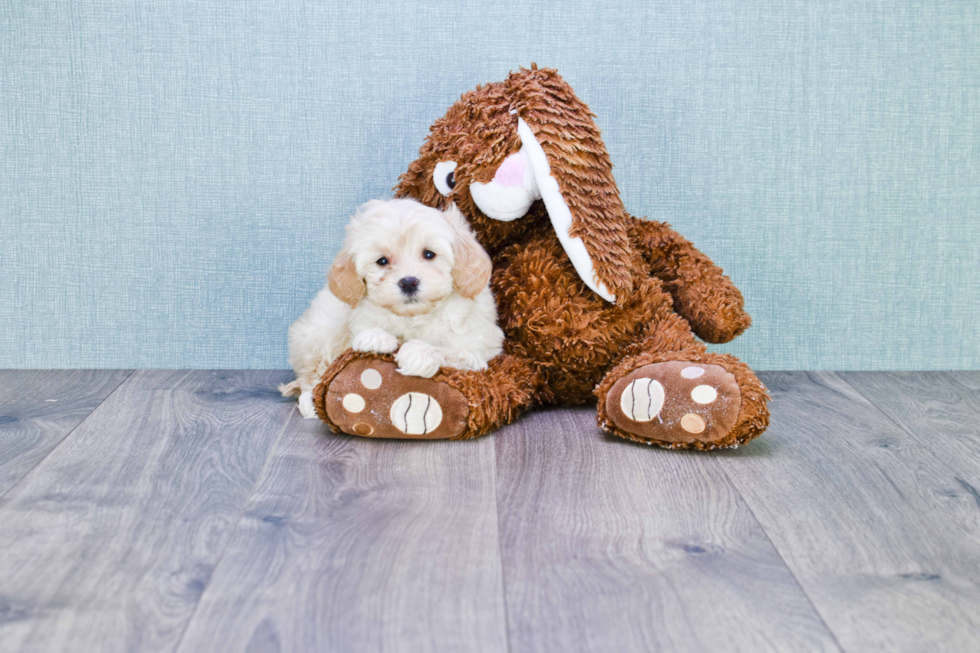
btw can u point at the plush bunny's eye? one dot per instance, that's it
(444, 176)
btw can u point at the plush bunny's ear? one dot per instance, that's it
(573, 174)
(471, 264)
(345, 283)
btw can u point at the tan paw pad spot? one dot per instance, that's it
(353, 403)
(371, 379)
(362, 429)
(693, 423)
(415, 413)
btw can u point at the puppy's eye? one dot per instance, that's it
(428, 255)
(383, 261)
(444, 176)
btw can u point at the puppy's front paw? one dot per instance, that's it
(375, 341)
(467, 360)
(417, 358)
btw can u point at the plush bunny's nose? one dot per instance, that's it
(511, 171)
(511, 192)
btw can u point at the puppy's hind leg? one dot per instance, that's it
(306, 408)
(294, 388)
(315, 340)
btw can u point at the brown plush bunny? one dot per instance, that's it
(596, 304)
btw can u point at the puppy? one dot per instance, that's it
(410, 279)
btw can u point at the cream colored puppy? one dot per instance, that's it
(410, 279)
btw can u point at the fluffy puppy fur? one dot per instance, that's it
(409, 278)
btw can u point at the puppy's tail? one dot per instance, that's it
(289, 389)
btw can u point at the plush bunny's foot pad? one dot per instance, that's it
(675, 404)
(367, 397)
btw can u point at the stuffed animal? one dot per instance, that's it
(597, 306)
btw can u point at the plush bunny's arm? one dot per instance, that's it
(702, 294)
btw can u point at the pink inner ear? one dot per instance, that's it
(511, 171)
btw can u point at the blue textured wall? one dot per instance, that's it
(175, 175)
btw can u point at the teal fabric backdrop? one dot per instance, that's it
(175, 174)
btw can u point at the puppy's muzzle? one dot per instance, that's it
(409, 285)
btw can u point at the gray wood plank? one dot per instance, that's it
(940, 410)
(353, 544)
(613, 546)
(108, 543)
(38, 408)
(879, 533)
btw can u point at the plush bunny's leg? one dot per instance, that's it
(668, 390)
(363, 394)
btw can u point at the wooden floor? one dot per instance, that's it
(196, 511)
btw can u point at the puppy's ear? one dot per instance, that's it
(345, 283)
(472, 265)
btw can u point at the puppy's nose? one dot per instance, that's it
(409, 285)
